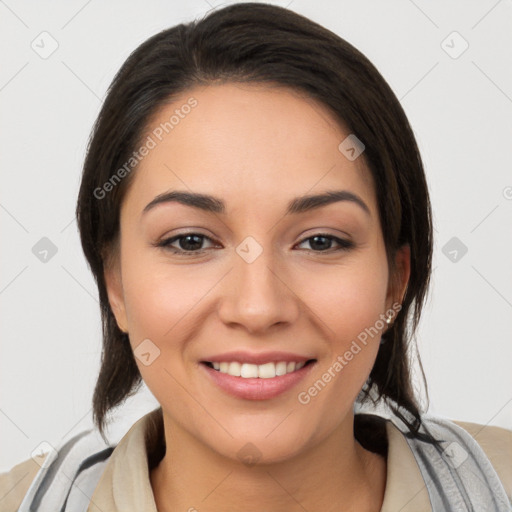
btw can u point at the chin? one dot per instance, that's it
(256, 444)
(254, 451)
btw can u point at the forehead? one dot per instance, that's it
(241, 140)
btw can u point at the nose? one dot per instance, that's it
(257, 295)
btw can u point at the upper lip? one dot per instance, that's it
(257, 358)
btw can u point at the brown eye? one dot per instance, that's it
(186, 243)
(322, 242)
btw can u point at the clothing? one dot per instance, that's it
(119, 478)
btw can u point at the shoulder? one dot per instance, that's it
(15, 483)
(460, 463)
(38, 482)
(496, 442)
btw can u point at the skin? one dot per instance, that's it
(256, 147)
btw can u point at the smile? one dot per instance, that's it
(251, 381)
(261, 371)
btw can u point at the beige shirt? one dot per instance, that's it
(125, 483)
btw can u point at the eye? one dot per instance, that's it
(322, 242)
(187, 243)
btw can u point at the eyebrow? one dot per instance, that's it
(213, 204)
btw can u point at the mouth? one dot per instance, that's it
(257, 371)
(263, 381)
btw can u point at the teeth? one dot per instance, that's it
(267, 370)
(235, 369)
(262, 371)
(281, 368)
(249, 370)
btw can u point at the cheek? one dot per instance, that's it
(348, 305)
(158, 294)
(160, 306)
(352, 327)
(347, 299)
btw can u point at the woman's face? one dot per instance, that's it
(248, 281)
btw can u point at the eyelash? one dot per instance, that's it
(345, 245)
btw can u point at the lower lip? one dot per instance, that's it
(256, 388)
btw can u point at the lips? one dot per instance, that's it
(257, 376)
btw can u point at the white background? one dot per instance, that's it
(460, 110)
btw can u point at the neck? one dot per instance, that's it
(338, 474)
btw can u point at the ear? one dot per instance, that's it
(113, 283)
(398, 285)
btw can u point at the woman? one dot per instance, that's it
(254, 209)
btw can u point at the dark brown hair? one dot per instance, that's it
(261, 43)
